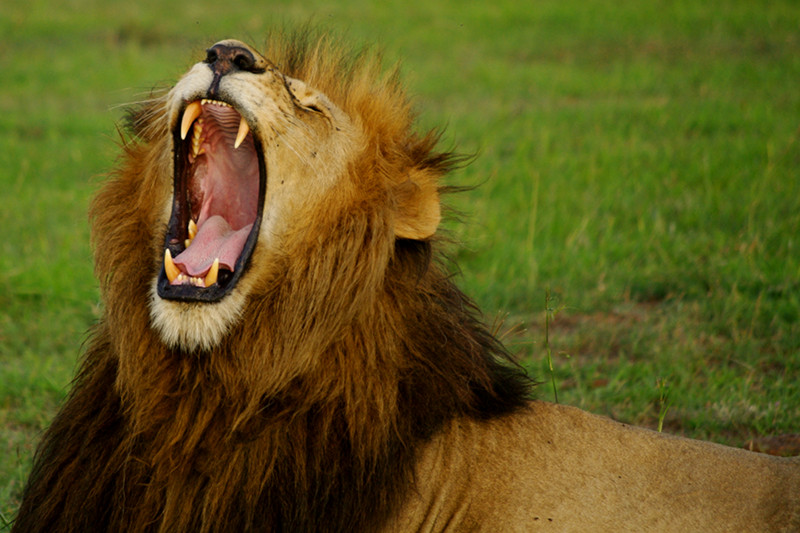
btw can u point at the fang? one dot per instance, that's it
(171, 270)
(193, 111)
(244, 129)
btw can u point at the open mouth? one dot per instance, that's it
(218, 198)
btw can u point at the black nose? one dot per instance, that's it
(223, 59)
(226, 57)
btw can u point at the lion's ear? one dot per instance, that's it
(418, 209)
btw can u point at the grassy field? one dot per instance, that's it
(639, 162)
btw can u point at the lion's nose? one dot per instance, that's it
(223, 59)
(231, 56)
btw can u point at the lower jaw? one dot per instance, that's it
(194, 326)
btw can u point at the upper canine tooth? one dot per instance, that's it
(193, 111)
(171, 270)
(244, 129)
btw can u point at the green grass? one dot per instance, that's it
(638, 160)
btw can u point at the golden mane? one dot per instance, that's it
(354, 347)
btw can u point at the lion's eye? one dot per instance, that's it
(313, 108)
(303, 99)
(309, 106)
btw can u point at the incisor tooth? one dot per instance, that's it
(211, 277)
(193, 111)
(169, 267)
(244, 129)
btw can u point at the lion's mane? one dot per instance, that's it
(355, 349)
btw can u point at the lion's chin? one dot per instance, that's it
(194, 326)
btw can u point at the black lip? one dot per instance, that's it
(176, 230)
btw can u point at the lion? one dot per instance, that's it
(282, 349)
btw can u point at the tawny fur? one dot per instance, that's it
(355, 389)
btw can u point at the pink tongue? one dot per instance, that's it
(214, 238)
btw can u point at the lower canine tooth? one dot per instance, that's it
(211, 277)
(169, 267)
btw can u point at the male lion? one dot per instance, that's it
(280, 350)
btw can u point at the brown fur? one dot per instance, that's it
(358, 390)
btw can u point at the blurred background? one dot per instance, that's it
(634, 226)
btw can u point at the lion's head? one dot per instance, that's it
(259, 163)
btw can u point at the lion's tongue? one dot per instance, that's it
(215, 239)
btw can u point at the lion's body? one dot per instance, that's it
(557, 468)
(334, 379)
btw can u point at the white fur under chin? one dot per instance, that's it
(194, 326)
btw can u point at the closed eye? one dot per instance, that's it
(306, 106)
(313, 108)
